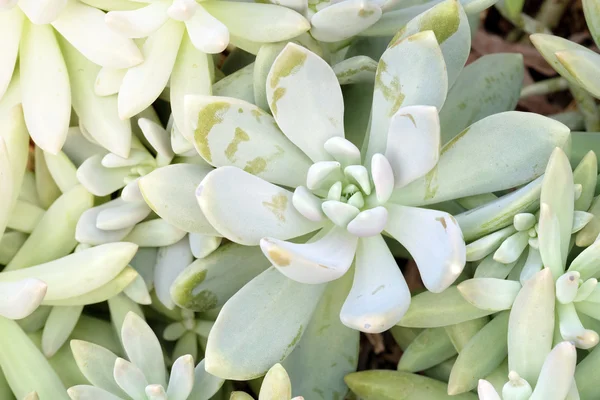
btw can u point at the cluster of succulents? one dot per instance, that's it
(173, 220)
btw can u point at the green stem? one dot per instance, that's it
(551, 12)
(545, 87)
(587, 107)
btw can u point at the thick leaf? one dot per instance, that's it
(237, 346)
(143, 348)
(393, 385)
(84, 27)
(327, 351)
(11, 25)
(97, 114)
(228, 131)
(482, 354)
(17, 356)
(103, 293)
(549, 46)
(489, 293)
(342, 20)
(558, 196)
(87, 270)
(191, 76)
(586, 174)
(430, 310)
(154, 233)
(498, 152)
(239, 85)
(500, 74)
(305, 97)
(170, 261)
(54, 235)
(263, 23)
(143, 83)
(531, 326)
(411, 72)
(592, 17)
(170, 192)
(449, 23)
(44, 87)
(267, 209)
(499, 213)
(209, 282)
(430, 348)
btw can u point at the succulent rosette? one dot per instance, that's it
(290, 182)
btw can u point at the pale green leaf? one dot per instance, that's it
(169, 191)
(238, 348)
(498, 152)
(500, 74)
(209, 282)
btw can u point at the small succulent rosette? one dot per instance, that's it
(547, 305)
(575, 288)
(516, 247)
(554, 381)
(144, 375)
(50, 39)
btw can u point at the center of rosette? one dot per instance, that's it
(345, 191)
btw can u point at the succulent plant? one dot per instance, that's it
(46, 89)
(238, 179)
(144, 375)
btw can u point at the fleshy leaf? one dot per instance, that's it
(45, 87)
(267, 211)
(54, 235)
(556, 193)
(411, 72)
(11, 23)
(449, 23)
(143, 348)
(379, 296)
(228, 131)
(17, 356)
(170, 261)
(305, 97)
(87, 270)
(430, 310)
(431, 347)
(482, 354)
(58, 328)
(381, 384)
(328, 350)
(263, 23)
(498, 152)
(97, 114)
(169, 191)
(531, 326)
(490, 294)
(417, 229)
(84, 27)
(237, 347)
(191, 76)
(344, 19)
(502, 76)
(209, 282)
(154, 233)
(143, 83)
